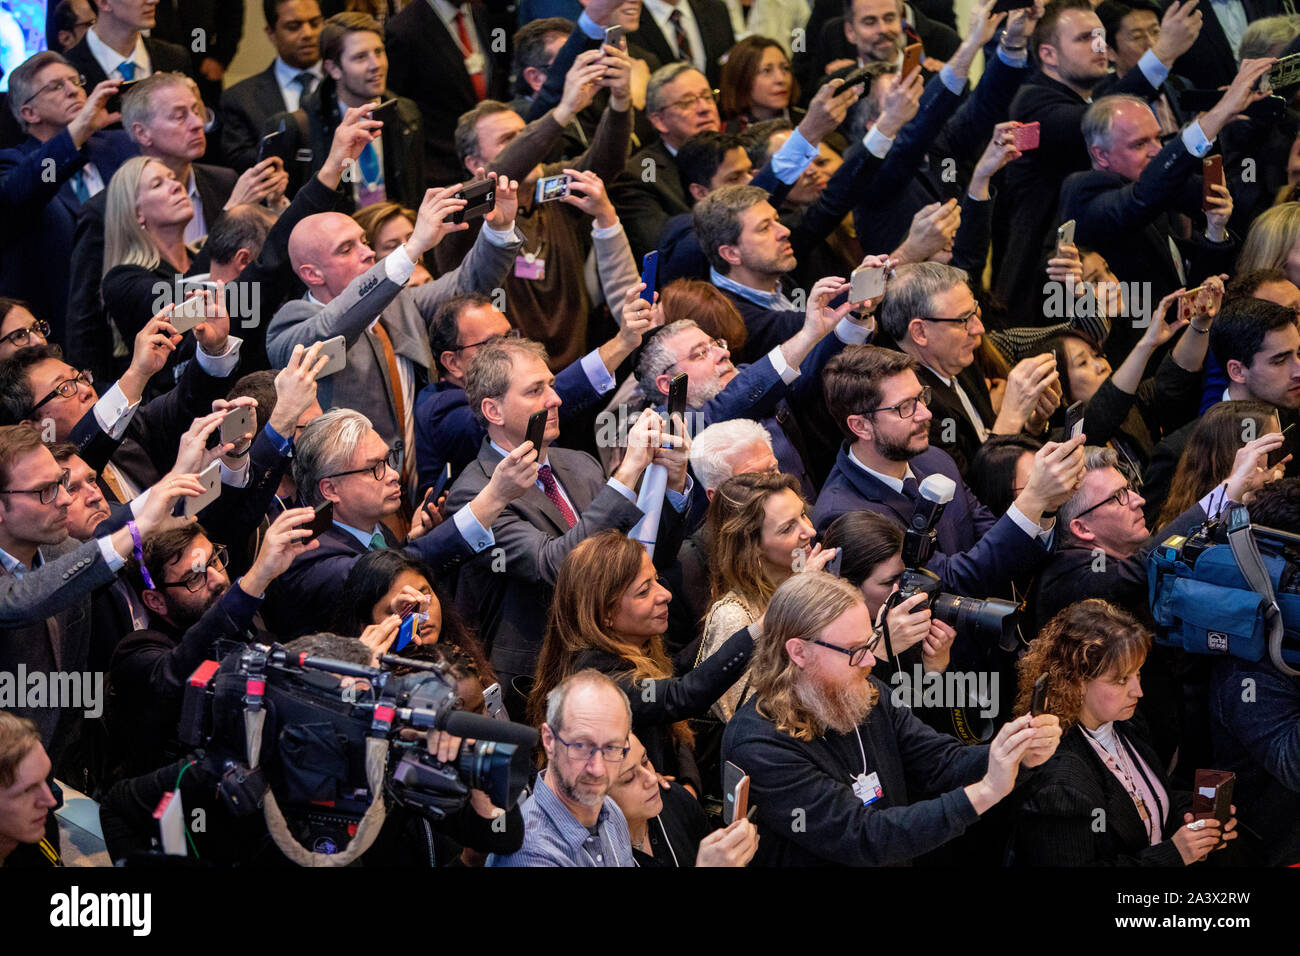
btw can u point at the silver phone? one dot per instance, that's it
(190, 313)
(235, 426)
(210, 479)
(866, 282)
(337, 351)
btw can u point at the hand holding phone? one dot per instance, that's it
(480, 199)
(866, 282)
(1038, 702)
(649, 274)
(911, 60)
(322, 520)
(1025, 136)
(677, 399)
(536, 432)
(1211, 175)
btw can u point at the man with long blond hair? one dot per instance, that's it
(831, 756)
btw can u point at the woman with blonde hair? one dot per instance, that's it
(610, 613)
(1273, 242)
(388, 225)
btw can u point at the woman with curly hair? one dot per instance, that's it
(610, 613)
(1092, 653)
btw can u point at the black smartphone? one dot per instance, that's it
(386, 111)
(677, 399)
(537, 429)
(1074, 420)
(1212, 795)
(443, 477)
(1004, 6)
(480, 199)
(862, 76)
(1039, 700)
(265, 145)
(114, 103)
(322, 520)
(1276, 456)
(649, 274)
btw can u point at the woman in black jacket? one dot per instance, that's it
(1103, 799)
(610, 613)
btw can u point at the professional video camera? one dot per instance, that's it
(1230, 588)
(336, 750)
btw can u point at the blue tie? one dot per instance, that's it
(79, 186)
(127, 69)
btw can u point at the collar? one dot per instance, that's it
(889, 481)
(110, 59)
(573, 833)
(193, 189)
(285, 74)
(950, 382)
(357, 533)
(16, 567)
(769, 300)
(447, 12)
(661, 10)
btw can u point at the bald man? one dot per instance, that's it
(383, 323)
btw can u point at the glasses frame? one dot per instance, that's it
(1120, 497)
(504, 336)
(963, 320)
(691, 101)
(194, 581)
(57, 85)
(60, 390)
(592, 748)
(927, 392)
(857, 653)
(392, 460)
(51, 490)
(41, 326)
(714, 343)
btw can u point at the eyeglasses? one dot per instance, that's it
(392, 460)
(194, 581)
(962, 320)
(581, 751)
(48, 493)
(907, 407)
(856, 654)
(58, 86)
(20, 337)
(704, 350)
(1120, 497)
(512, 334)
(688, 103)
(67, 388)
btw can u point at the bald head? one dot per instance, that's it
(328, 251)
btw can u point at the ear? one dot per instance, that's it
(491, 409)
(473, 162)
(242, 258)
(1047, 54)
(709, 493)
(850, 34)
(328, 491)
(451, 362)
(663, 382)
(548, 742)
(698, 191)
(916, 333)
(28, 113)
(332, 70)
(730, 255)
(534, 77)
(797, 651)
(1081, 531)
(311, 275)
(861, 427)
(153, 600)
(1100, 157)
(1236, 371)
(141, 135)
(660, 126)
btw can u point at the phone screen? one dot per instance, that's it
(649, 274)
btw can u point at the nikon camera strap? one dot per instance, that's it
(1251, 565)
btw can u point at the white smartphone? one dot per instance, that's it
(492, 702)
(236, 425)
(866, 282)
(190, 313)
(337, 350)
(210, 479)
(1065, 234)
(171, 823)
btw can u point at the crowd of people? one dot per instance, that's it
(638, 450)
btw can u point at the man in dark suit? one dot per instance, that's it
(877, 399)
(116, 47)
(356, 73)
(294, 28)
(210, 30)
(1056, 97)
(444, 59)
(65, 136)
(1132, 27)
(930, 313)
(1130, 207)
(1211, 62)
(697, 32)
(509, 382)
(339, 458)
(870, 31)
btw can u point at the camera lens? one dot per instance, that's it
(991, 617)
(498, 769)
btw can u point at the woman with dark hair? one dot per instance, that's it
(387, 585)
(1000, 470)
(1092, 653)
(757, 84)
(610, 613)
(19, 328)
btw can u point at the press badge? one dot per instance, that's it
(867, 788)
(529, 266)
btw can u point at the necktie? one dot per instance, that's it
(467, 51)
(684, 51)
(552, 490)
(911, 488)
(79, 186)
(399, 395)
(305, 80)
(378, 542)
(127, 70)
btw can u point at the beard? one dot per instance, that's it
(892, 450)
(839, 707)
(587, 793)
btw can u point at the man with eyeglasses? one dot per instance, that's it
(67, 157)
(569, 818)
(67, 24)
(880, 405)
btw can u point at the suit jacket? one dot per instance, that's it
(39, 216)
(426, 64)
(644, 207)
(163, 57)
(715, 30)
(244, 110)
(508, 584)
(403, 146)
(976, 554)
(1210, 63)
(938, 39)
(946, 407)
(405, 314)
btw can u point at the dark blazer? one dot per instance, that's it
(976, 554)
(1056, 809)
(163, 57)
(715, 30)
(402, 144)
(244, 110)
(426, 64)
(221, 23)
(947, 408)
(938, 39)
(508, 584)
(1209, 63)
(38, 217)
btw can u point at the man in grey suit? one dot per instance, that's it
(383, 323)
(46, 579)
(511, 584)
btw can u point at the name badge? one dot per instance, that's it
(867, 788)
(530, 267)
(474, 63)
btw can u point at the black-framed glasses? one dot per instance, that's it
(392, 460)
(581, 751)
(67, 388)
(194, 581)
(703, 351)
(688, 103)
(907, 407)
(20, 337)
(962, 320)
(512, 334)
(58, 86)
(48, 492)
(857, 654)
(1120, 497)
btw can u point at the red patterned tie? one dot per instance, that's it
(545, 476)
(467, 50)
(684, 50)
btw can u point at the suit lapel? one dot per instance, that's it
(442, 48)
(579, 491)
(875, 490)
(654, 39)
(534, 504)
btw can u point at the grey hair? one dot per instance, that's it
(22, 81)
(1094, 459)
(590, 677)
(711, 448)
(1269, 36)
(660, 78)
(326, 446)
(717, 219)
(911, 292)
(1100, 118)
(138, 106)
(657, 357)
